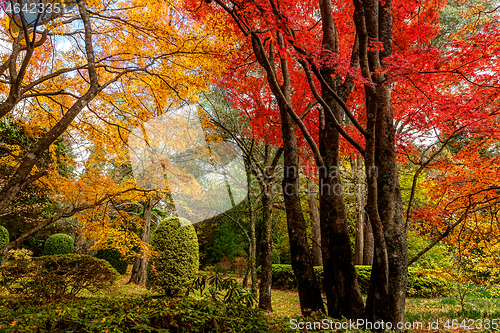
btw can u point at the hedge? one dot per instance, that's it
(56, 276)
(114, 257)
(421, 282)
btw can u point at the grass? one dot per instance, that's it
(476, 307)
(285, 303)
(121, 289)
(480, 302)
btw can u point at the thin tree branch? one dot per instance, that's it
(325, 106)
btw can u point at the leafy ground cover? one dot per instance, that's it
(128, 315)
(130, 308)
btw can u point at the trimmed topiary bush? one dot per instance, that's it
(58, 244)
(115, 258)
(283, 277)
(4, 240)
(176, 262)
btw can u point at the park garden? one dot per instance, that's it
(60, 291)
(249, 166)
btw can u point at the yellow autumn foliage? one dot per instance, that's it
(156, 59)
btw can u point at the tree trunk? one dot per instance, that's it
(389, 270)
(340, 280)
(253, 257)
(307, 284)
(376, 302)
(139, 270)
(386, 297)
(368, 245)
(315, 227)
(266, 244)
(252, 251)
(357, 172)
(247, 273)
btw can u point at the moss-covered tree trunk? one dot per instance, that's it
(266, 243)
(252, 251)
(357, 175)
(312, 202)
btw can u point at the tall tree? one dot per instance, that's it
(386, 297)
(262, 160)
(115, 74)
(309, 289)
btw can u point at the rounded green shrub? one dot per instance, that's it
(4, 240)
(58, 244)
(114, 257)
(57, 276)
(176, 262)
